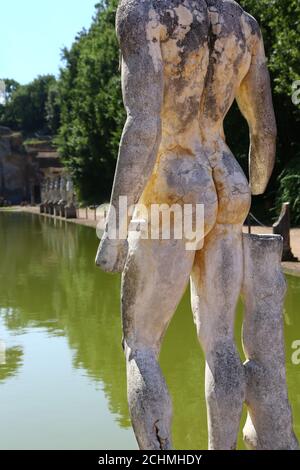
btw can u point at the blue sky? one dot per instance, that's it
(33, 32)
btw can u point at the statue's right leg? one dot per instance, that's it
(155, 277)
(215, 287)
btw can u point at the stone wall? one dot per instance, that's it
(22, 169)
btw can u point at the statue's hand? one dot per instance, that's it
(111, 255)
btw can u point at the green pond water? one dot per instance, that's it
(62, 377)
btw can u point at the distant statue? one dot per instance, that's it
(70, 209)
(183, 65)
(69, 189)
(62, 185)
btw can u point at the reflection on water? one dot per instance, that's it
(10, 360)
(63, 381)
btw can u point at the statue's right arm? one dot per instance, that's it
(142, 88)
(254, 98)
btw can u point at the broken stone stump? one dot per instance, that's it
(50, 208)
(269, 423)
(282, 227)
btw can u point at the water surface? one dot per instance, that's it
(62, 385)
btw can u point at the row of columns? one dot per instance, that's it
(58, 197)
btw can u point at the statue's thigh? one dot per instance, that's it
(234, 196)
(154, 279)
(216, 284)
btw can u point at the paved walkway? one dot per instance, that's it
(84, 216)
(87, 217)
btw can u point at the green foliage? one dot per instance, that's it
(36, 141)
(25, 108)
(289, 189)
(280, 22)
(10, 86)
(52, 108)
(92, 113)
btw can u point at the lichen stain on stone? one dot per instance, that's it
(185, 19)
(153, 33)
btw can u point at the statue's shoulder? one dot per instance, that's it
(236, 12)
(253, 23)
(131, 17)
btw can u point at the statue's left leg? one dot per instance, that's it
(216, 283)
(155, 277)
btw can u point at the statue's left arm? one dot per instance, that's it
(254, 98)
(142, 88)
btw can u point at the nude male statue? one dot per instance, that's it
(184, 62)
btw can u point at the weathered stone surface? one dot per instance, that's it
(17, 169)
(183, 64)
(269, 423)
(23, 167)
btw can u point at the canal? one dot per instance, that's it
(62, 371)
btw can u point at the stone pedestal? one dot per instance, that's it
(70, 212)
(62, 211)
(269, 422)
(56, 209)
(50, 208)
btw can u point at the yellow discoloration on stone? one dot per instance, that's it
(171, 57)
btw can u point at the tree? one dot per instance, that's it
(10, 86)
(53, 108)
(92, 113)
(26, 107)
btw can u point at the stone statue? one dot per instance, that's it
(63, 187)
(184, 62)
(70, 208)
(69, 190)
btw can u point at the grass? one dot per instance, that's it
(37, 142)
